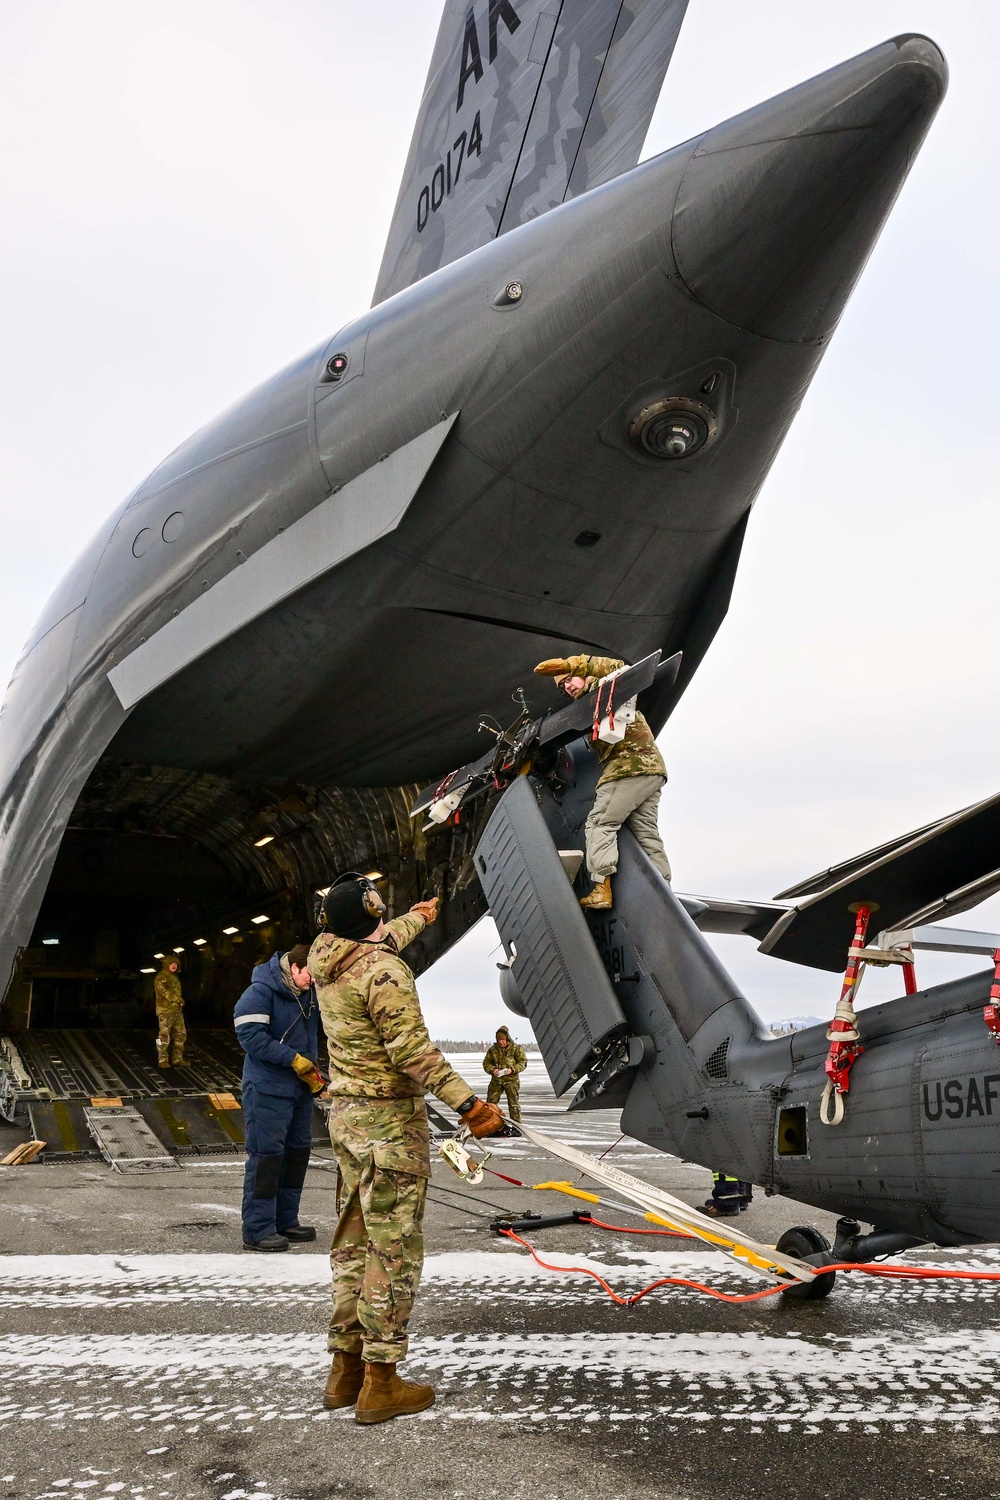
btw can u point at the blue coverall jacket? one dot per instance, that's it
(272, 1025)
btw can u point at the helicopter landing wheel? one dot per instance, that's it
(803, 1242)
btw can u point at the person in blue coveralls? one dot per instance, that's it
(277, 1025)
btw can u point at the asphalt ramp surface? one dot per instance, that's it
(143, 1355)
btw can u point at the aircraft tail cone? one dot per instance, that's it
(779, 207)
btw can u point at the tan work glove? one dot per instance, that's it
(427, 909)
(309, 1073)
(554, 667)
(483, 1119)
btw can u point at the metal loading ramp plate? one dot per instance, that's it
(126, 1141)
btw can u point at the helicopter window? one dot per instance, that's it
(792, 1136)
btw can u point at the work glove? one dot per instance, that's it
(427, 909)
(309, 1073)
(483, 1119)
(554, 667)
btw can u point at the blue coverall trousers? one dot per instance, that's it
(278, 1133)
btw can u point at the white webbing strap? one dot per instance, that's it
(675, 1214)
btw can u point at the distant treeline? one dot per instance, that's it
(448, 1044)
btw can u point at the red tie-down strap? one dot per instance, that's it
(991, 1012)
(845, 1044)
(602, 707)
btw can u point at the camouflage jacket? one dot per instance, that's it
(512, 1056)
(167, 989)
(377, 1040)
(637, 754)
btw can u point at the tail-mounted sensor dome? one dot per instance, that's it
(674, 428)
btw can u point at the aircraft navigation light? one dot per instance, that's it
(200, 942)
(147, 971)
(50, 942)
(257, 920)
(268, 838)
(230, 930)
(178, 950)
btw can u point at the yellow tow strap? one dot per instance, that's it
(663, 1208)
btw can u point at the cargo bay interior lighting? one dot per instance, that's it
(257, 920)
(50, 942)
(268, 838)
(200, 942)
(178, 950)
(230, 930)
(147, 971)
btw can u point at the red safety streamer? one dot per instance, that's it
(884, 1270)
(991, 1012)
(843, 1036)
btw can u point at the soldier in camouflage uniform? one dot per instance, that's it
(170, 1014)
(505, 1061)
(631, 782)
(382, 1063)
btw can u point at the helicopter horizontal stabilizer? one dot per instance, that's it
(939, 870)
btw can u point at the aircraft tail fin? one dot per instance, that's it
(527, 103)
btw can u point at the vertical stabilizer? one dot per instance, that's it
(527, 103)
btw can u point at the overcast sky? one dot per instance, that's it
(194, 192)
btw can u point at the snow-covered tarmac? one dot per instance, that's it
(143, 1355)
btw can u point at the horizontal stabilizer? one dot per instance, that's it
(939, 870)
(527, 103)
(752, 918)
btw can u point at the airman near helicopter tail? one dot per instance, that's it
(629, 788)
(505, 1061)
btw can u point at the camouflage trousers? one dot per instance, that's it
(172, 1034)
(633, 800)
(377, 1253)
(511, 1086)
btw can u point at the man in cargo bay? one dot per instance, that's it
(629, 789)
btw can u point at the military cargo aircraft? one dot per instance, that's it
(545, 436)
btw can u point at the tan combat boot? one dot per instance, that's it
(384, 1395)
(344, 1381)
(600, 897)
